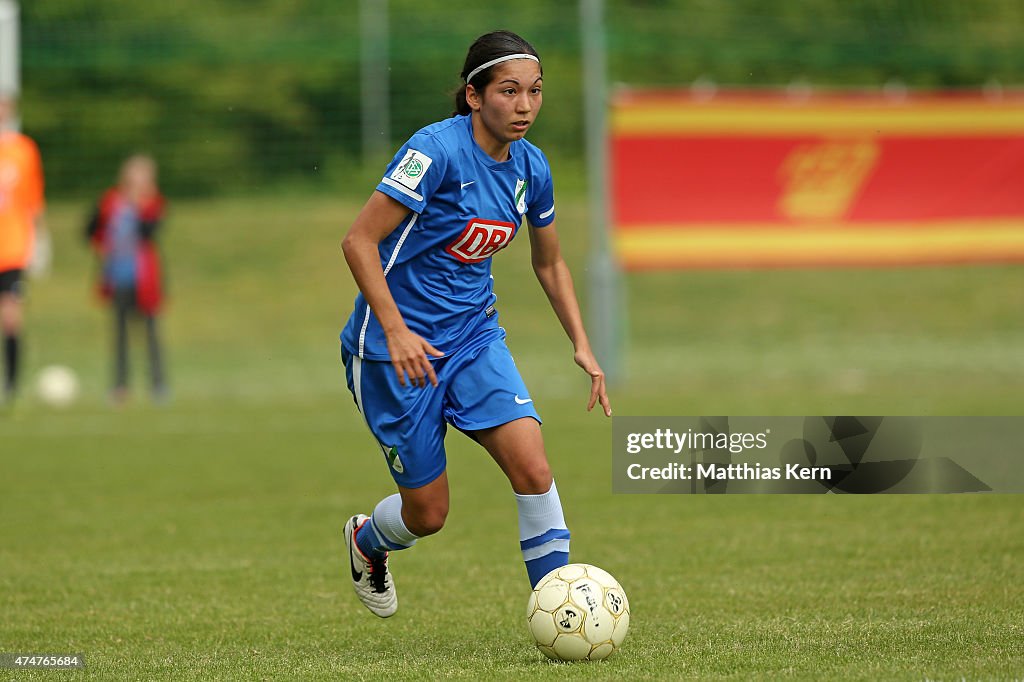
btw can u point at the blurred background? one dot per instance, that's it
(271, 123)
(241, 97)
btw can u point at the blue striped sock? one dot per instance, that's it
(543, 536)
(385, 531)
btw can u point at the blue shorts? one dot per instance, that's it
(478, 387)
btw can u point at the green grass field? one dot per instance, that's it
(201, 540)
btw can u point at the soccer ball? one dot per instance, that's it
(57, 386)
(578, 612)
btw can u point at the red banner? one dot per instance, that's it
(769, 180)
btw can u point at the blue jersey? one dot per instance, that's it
(464, 207)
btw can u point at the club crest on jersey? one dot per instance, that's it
(412, 168)
(521, 196)
(480, 240)
(394, 461)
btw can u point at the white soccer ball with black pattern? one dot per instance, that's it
(578, 612)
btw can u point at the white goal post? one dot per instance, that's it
(10, 68)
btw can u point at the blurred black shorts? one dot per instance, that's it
(10, 282)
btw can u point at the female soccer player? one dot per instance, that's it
(423, 348)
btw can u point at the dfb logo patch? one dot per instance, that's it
(480, 240)
(413, 167)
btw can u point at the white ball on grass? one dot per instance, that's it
(57, 385)
(578, 612)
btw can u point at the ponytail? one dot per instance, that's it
(461, 105)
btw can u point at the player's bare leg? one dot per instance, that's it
(425, 509)
(10, 326)
(518, 448)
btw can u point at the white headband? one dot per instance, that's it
(499, 60)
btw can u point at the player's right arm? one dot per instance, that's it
(408, 351)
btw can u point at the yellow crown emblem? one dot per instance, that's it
(821, 180)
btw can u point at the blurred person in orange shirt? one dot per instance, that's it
(21, 214)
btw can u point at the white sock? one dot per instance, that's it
(387, 521)
(543, 536)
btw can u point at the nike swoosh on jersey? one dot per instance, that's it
(466, 184)
(522, 402)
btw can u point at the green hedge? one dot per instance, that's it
(230, 98)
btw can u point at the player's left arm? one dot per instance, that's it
(556, 280)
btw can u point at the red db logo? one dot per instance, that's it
(481, 239)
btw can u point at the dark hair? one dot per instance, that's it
(485, 48)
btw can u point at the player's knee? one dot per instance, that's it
(533, 478)
(427, 521)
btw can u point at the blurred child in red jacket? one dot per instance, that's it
(122, 232)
